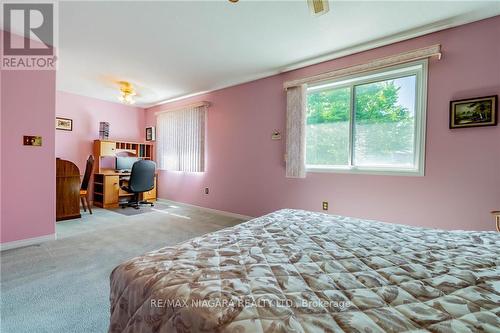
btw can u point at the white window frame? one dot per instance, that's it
(419, 69)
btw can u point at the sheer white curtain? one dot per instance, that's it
(296, 109)
(181, 139)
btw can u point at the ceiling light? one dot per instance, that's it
(127, 92)
(126, 99)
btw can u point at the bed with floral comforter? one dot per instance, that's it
(300, 271)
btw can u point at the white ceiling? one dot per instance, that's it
(171, 49)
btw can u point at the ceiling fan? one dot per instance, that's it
(317, 7)
(127, 92)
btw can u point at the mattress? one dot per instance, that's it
(300, 271)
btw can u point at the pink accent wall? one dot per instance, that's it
(245, 169)
(27, 173)
(29, 104)
(125, 122)
(1, 149)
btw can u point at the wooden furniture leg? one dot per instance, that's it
(83, 204)
(88, 203)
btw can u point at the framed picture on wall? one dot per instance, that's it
(64, 124)
(474, 112)
(150, 133)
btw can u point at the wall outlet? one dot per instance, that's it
(206, 190)
(325, 205)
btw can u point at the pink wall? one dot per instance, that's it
(28, 173)
(246, 174)
(126, 123)
(1, 140)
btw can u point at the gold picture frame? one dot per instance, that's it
(474, 112)
(64, 124)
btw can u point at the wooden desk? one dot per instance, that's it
(67, 190)
(108, 192)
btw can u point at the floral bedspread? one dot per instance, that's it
(300, 271)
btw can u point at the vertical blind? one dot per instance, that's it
(181, 139)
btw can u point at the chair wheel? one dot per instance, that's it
(136, 207)
(123, 207)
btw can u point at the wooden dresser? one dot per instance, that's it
(67, 190)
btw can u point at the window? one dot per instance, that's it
(181, 139)
(374, 123)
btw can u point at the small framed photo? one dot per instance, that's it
(64, 124)
(150, 133)
(474, 112)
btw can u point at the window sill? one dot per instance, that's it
(366, 171)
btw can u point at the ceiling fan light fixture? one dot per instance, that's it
(126, 99)
(318, 7)
(127, 93)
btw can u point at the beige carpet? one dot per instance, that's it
(63, 285)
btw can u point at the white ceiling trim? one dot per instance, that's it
(399, 37)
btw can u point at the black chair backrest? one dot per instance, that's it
(142, 178)
(88, 173)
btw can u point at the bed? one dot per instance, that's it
(300, 271)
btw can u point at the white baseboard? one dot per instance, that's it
(211, 210)
(27, 242)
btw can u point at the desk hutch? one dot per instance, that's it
(107, 182)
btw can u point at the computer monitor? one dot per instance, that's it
(125, 163)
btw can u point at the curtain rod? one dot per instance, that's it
(189, 106)
(418, 54)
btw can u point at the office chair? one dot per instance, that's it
(142, 179)
(84, 193)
